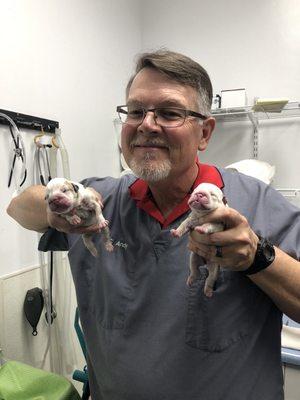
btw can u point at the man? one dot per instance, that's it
(148, 335)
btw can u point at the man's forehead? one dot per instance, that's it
(167, 91)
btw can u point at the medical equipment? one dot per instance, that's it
(46, 157)
(19, 148)
(33, 307)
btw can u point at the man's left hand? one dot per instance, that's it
(234, 248)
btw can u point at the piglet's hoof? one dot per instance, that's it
(103, 224)
(109, 247)
(174, 233)
(190, 280)
(75, 220)
(208, 291)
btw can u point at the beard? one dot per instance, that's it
(149, 169)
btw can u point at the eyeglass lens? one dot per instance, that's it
(170, 117)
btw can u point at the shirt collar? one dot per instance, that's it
(140, 192)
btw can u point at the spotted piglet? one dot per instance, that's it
(205, 198)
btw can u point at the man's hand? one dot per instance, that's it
(238, 242)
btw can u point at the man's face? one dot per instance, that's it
(153, 152)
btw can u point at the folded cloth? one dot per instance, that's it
(290, 337)
(255, 168)
(19, 381)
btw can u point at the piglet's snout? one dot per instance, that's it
(59, 203)
(199, 199)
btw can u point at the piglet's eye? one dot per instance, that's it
(64, 190)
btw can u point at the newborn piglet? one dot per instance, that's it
(80, 206)
(205, 198)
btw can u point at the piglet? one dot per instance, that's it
(80, 207)
(205, 198)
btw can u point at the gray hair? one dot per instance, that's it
(180, 68)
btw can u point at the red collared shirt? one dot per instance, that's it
(140, 192)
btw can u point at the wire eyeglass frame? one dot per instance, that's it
(172, 123)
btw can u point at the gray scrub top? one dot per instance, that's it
(148, 335)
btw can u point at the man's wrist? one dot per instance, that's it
(264, 257)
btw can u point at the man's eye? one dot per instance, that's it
(135, 113)
(170, 114)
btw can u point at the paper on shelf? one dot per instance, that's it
(269, 105)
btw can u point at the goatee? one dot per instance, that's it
(150, 169)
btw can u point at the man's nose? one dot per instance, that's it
(149, 122)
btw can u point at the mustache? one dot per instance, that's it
(148, 142)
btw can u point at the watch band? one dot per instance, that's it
(264, 256)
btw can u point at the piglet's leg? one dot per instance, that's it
(106, 239)
(73, 219)
(182, 228)
(87, 240)
(213, 271)
(103, 223)
(194, 272)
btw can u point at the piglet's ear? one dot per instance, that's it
(75, 187)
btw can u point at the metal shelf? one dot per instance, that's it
(246, 113)
(291, 110)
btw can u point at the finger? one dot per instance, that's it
(200, 249)
(86, 229)
(210, 253)
(226, 215)
(57, 222)
(241, 234)
(199, 237)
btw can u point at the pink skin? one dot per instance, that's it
(103, 224)
(199, 201)
(60, 204)
(174, 233)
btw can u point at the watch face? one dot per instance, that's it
(266, 250)
(265, 255)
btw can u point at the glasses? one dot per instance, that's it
(167, 117)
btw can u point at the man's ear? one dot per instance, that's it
(207, 130)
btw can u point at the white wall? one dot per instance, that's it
(251, 44)
(66, 60)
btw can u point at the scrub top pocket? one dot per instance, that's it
(214, 324)
(104, 291)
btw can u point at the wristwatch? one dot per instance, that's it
(264, 256)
